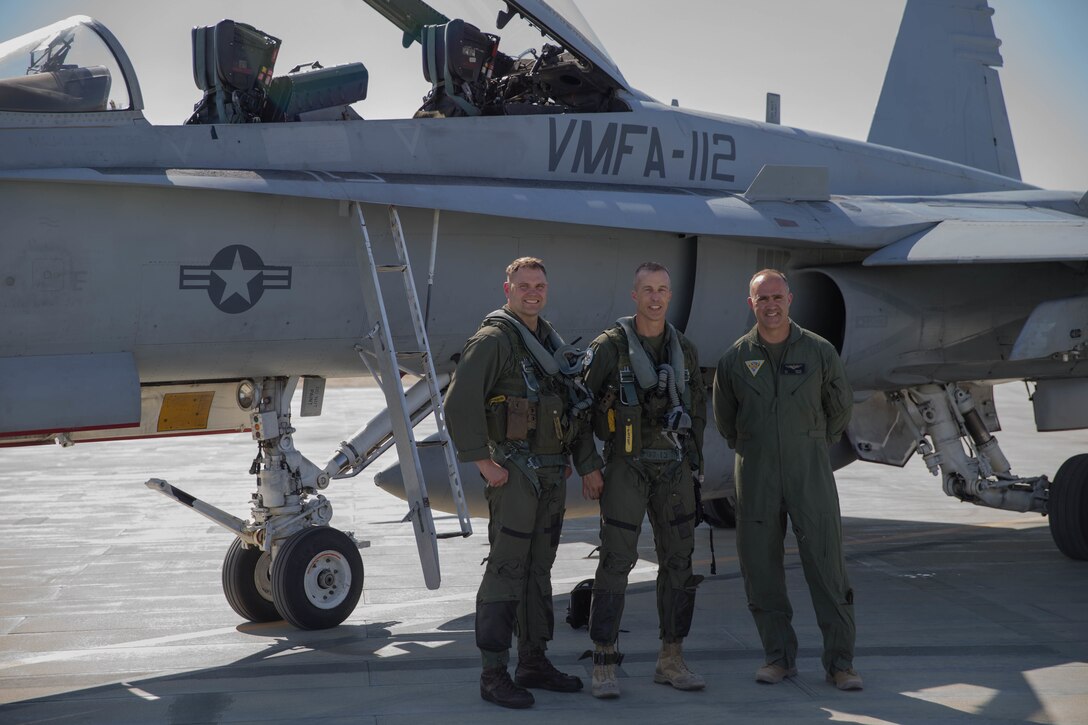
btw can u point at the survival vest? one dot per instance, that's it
(545, 418)
(648, 407)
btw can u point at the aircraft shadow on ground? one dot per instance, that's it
(347, 656)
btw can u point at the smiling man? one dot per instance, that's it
(780, 397)
(509, 411)
(650, 411)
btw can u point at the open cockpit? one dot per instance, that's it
(469, 75)
(72, 66)
(550, 63)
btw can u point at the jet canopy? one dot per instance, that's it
(72, 66)
(551, 61)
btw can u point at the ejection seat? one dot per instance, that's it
(233, 64)
(66, 90)
(459, 60)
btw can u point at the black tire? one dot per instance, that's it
(1068, 508)
(721, 513)
(317, 577)
(247, 585)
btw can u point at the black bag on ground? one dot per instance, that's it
(581, 597)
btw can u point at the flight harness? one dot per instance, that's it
(635, 366)
(564, 364)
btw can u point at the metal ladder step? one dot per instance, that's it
(392, 386)
(453, 535)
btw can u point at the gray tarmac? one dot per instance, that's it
(111, 609)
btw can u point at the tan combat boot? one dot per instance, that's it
(672, 670)
(605, 659)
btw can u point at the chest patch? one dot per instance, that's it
(793, 368)
(754, 366)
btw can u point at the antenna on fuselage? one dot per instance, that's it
(774, 108)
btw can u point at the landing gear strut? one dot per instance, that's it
(980, 474)
(287, 563)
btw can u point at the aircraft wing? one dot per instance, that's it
(1044, 239)
(846, 222)
(982, 228)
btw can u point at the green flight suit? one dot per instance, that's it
(780, 423)
(655, 478)
(526, 513)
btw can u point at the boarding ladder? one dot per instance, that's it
(388, 376)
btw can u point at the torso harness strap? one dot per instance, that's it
(561, 365)
(670, 378)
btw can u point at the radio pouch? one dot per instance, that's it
(517, 419)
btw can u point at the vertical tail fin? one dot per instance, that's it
(942, 95)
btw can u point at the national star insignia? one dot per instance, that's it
(754, 366)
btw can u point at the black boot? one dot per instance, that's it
(534, 670)
(497, 687)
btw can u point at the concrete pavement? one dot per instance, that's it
(111, 609)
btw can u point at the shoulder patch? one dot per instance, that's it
(587, 357)
(754, 366)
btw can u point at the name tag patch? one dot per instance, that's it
(793, 368)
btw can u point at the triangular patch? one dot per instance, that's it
(753, 366)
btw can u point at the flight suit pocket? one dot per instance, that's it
(801, 386)
(836, 398)
(628, 436)
(549, 425)
(517, 419)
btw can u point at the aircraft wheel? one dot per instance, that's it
(247, 585)
(1068, 507)
(721, 512)
(317, 577)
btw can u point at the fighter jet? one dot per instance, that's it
(183, 279)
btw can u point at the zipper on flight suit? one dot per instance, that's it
(774, 401)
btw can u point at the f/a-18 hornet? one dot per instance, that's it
(184, 279)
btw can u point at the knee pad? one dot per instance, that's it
(495, 625)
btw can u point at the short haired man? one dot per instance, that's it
(508, 410)
(780, 398)
(650, 411)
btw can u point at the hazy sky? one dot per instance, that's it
(826, 58)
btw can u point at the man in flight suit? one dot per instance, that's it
(508, 410)
(650, 410)
(780, 398)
